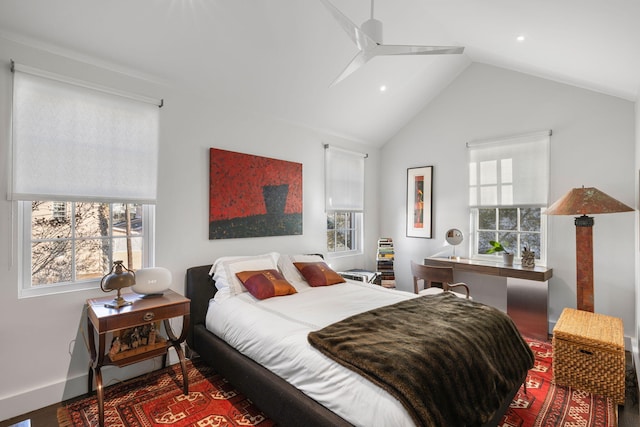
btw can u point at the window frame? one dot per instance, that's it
(25, 287)
(43, 105)
(357, 234)
(508, 173)
(475, 230)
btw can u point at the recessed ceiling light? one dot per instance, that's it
(383, 88)
(520, 38)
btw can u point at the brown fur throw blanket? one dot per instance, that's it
(450, 361)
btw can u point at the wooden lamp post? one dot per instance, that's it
(583, 201)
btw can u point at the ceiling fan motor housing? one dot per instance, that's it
(373, 28)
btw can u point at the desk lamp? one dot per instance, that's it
(583, 201)
(122, 277)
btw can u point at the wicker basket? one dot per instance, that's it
(588, 353)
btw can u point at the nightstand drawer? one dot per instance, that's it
(141, 311)
(141, 317)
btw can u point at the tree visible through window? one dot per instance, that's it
(342, 231)
(514, 227)
(78, 241)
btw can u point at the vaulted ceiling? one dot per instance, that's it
(279, 57)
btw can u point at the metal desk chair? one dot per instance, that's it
(430, 274)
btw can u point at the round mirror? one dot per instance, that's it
(454, 237)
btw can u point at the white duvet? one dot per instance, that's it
(273, 332)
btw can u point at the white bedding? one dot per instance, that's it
(274, 332)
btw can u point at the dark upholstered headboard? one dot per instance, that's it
(199, 288)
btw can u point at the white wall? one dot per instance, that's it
(592, 145)
(44, 356)
(636, 351)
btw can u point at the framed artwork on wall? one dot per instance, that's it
(253, 196)
(419, 201)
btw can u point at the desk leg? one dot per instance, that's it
(527, 302)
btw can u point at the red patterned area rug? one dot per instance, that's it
(156, 399)
(548, 405)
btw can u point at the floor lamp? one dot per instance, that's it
(583, 201)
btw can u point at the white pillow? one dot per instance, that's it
(222, 295)
(223, 270)
(291, 273)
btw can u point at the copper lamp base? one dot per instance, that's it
(584, 262)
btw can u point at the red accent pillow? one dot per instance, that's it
(264, 284)
(318, 273)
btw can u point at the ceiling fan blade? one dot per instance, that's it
(416, 50)
(370, 48)
(361, 39)
(358, 61)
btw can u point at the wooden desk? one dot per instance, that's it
(527, 291)
(142, 313)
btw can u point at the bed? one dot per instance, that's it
(352, 400)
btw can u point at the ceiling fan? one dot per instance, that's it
(368, 38)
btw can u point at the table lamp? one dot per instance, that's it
(118, 277)
(583, 201)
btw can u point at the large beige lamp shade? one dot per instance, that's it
(583, 201)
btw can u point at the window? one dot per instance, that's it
(514, 227)
(508, 183)
(84, 176)
(344, 200)
(80, 248)
(343, 231)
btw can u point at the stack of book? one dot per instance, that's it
(384, 259)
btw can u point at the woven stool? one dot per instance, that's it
(588, 353)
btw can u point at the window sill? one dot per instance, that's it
(336, 255)
(44, 290)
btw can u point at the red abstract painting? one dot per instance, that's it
(253, 196)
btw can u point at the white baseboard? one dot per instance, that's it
(26, 401)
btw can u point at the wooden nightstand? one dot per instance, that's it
(139, 325)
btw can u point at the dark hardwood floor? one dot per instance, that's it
(628, 415)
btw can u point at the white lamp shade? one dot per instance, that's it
(152, 280)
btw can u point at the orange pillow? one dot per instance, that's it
(264, 284)
(318, 273)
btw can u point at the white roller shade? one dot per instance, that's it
(509, 171)
(344, 180)
(74, 141)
